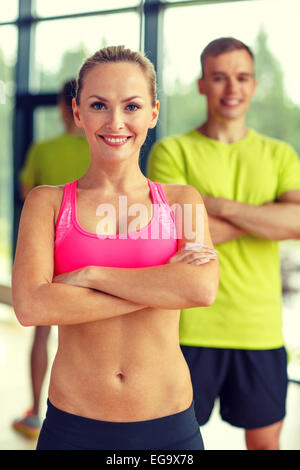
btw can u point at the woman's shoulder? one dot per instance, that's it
(46, 197)
(45, 193)
(182, 193)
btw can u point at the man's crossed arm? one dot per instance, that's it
(274, 220)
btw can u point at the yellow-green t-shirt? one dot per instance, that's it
(247, 311)
(56, 161)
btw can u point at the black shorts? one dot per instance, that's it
(251, 384)
(65, 431)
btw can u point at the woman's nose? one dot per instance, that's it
(115, 121)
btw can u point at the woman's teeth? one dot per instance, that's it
(115, 140)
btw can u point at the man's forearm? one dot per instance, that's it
(222, 230)
(273, 221)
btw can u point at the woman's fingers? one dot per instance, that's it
(194, 253)
(191, 256)
(201, 249)
(200, 261)
(197, 248)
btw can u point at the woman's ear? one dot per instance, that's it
(76, 113)
(155, 113)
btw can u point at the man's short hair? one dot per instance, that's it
(68, 92)
(220, 46)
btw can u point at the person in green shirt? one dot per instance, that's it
(250, 185)
(52, 162)
(59, 160)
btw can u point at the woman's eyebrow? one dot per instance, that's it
(98, 97)
(101, 98)
(133, 98)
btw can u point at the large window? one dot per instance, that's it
(72, 40)
(65, 7)
(9, 12)
(8, 47)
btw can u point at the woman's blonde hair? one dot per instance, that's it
(118, 54)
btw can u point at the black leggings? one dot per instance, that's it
(62, 431)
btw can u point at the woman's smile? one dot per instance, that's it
(115, 140)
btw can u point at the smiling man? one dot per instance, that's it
(250, 184)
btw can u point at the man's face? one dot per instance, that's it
(228, 83)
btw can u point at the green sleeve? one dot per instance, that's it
(289, 171)
(166, 162)
(29, 172)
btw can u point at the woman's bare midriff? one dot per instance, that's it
(128, 368)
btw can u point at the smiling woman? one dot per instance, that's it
(119, 379)
(115, 112)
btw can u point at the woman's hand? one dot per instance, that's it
(194, 253)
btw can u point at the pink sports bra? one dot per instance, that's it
(152, 245)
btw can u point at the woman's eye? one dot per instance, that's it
(132, 107)
(98, 105)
